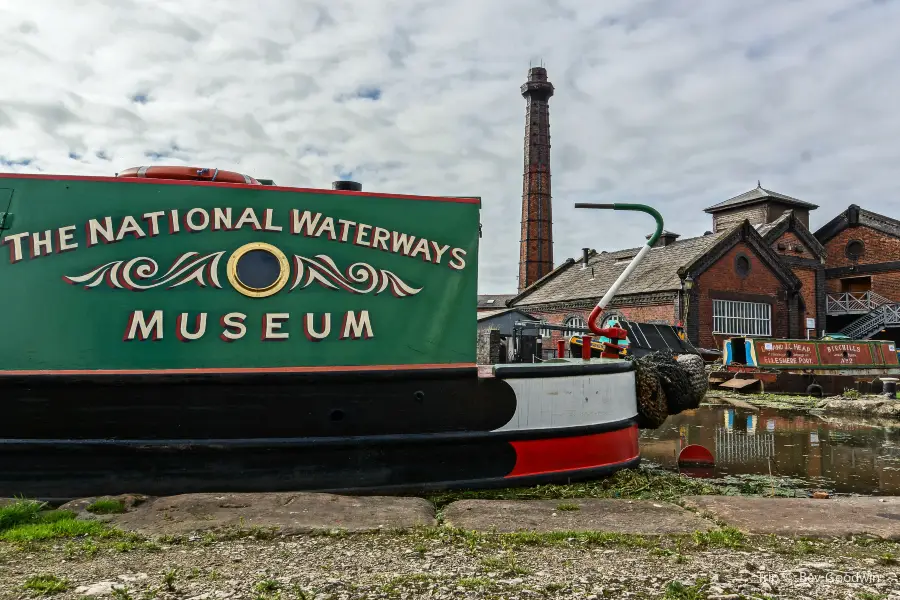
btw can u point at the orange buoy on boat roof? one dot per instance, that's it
(189, 173)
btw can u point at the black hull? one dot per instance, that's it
(264, 405)
(56, 470)
(385, 432)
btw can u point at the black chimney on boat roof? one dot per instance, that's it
(347, 186)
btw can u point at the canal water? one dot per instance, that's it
(840, 454)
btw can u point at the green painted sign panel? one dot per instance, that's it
(106, 274)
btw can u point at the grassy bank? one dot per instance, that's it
(851, 403)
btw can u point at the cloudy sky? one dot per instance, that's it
(677, 103)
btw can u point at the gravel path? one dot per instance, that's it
(435, 566)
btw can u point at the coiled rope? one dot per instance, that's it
(667, 385)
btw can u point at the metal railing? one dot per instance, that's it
(849, 303)
(871, 323)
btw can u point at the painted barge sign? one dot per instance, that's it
(814, 354)
(112, 274)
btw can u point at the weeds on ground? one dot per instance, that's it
(675, 590)
(122, 593)
(25, 521)
(46, 585)
(505, 564)
(106, 506)
(643, 483)
(19, 513)
(727, 537)
(169, 579)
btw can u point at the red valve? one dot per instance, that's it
(612, 348)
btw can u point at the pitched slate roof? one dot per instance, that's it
(758, 194)
(494, 300)
(487, 314)
(853, 216)
(656, 273)
(765, 229)
(787, 221)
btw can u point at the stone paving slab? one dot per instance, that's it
(290, 513)
(804, 517)
(639, 517)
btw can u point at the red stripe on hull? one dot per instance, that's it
(537, 457)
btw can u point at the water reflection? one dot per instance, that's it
(842, 454)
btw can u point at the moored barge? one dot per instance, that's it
(174, 330)
(815, 367)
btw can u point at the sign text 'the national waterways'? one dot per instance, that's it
(256, 269)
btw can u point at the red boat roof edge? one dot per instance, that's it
(460, 199)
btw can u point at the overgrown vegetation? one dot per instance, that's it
(106, 506)
(46, 585)
(26, 521)
(647, 482)
(675, 590)
(644, 483)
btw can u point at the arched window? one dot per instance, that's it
(575, 322)
(611, 319)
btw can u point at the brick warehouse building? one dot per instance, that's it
(751, 275)
(759, 271)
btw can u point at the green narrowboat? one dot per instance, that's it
(174, 329)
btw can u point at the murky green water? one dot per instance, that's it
(838, 453)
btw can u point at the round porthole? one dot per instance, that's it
(855, 249)
(258, 270)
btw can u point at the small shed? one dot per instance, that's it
(503, 320)
(497, 342)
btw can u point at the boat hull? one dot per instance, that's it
(369, 432)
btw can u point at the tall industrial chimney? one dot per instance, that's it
(536, 241)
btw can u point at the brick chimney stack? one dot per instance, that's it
(536, 241)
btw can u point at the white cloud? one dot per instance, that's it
(679, 104)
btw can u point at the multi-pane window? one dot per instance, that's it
(546, 332)
(575, 322)
(731, 317)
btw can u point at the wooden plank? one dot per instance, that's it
(738, 384)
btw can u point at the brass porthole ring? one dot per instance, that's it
(258, 270)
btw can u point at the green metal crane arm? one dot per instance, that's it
(607, 298)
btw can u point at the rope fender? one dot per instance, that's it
(667, 385)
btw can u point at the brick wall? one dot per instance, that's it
(722, 280)
(642, 314)
(878, 247)
(885, 284)
(487, 347)
(727, 219)
(787, 245)
(807, 292)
